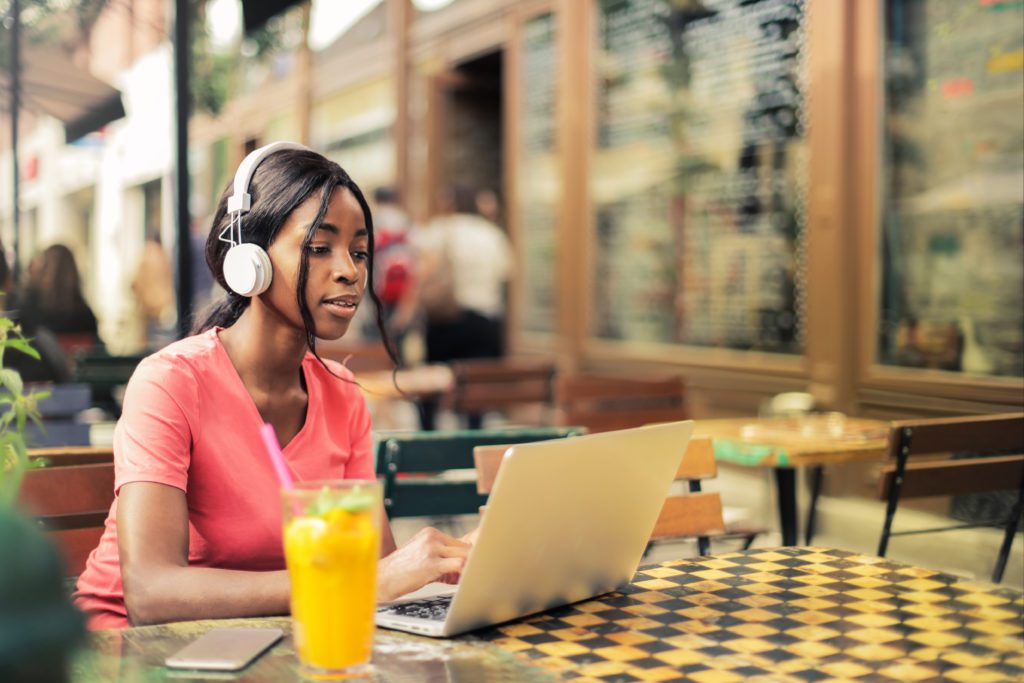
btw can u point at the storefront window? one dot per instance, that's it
(538, 184)
(952, 285)
(371, 152)
(354, 127)
(699, 173)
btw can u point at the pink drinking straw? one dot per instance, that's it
(276, 457)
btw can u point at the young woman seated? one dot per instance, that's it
(195, 530)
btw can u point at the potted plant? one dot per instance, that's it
(38, 625)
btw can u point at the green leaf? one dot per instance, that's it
(12, 381)
(16, 409)
(356, 500)
(20, 344)
(36, 420)
(20, 416)
(36, 396)
(13, 459)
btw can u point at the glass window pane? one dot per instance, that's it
(538, 182)
(698, 173)
(952, 288)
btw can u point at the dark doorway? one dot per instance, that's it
(472, 126)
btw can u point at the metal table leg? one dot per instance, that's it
(817, 475)
(785, 487)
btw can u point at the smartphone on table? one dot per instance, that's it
(224, 649)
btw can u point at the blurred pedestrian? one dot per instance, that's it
(465, 262)
(53, 299)
(52, 364)
(153, 286)
(393, 276)
(488, 206)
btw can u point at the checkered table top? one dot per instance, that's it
(788, 614)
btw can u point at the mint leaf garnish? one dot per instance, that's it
(356, 500)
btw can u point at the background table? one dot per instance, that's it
(765, 442)
(424, 385)
(788, 614)
(416, 382)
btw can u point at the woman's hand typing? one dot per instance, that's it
(429, 556)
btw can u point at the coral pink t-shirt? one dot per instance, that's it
(188, 422)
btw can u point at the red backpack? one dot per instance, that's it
(393, 266)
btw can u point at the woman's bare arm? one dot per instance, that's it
(159, 584)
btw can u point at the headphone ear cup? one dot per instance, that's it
(247, 269)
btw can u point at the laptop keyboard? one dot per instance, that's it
(434, 609)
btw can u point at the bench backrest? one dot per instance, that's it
(606, 403)
(71, 503)
(486, 384)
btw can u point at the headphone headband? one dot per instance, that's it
(247, 268)
(239, 202)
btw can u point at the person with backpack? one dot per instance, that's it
(394, 277)
(466, 262)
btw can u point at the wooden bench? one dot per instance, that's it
(71, 503)
(501, 384)
(603, 404)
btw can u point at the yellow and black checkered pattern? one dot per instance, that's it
(788, 614)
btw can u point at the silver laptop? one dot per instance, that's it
(567, 519)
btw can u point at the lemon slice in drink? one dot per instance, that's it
(303, 536)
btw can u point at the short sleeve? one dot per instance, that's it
(153, 438)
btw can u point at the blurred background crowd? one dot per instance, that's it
(759, 196)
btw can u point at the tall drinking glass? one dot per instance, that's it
(331, 546)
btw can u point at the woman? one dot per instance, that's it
(53, 364)
(53, 299)
(195, 531)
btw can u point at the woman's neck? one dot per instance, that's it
(266, 351)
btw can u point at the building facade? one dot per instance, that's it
(782, 195)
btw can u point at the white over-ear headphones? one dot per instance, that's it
(247, 269)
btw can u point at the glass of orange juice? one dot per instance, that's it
(331, 547)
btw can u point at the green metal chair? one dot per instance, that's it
(409, 464)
